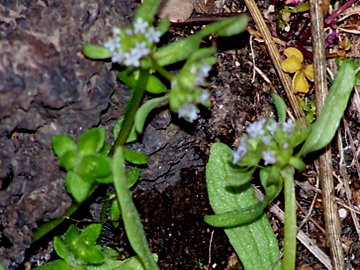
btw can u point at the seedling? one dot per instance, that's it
(274, 150)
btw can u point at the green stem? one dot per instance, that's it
(131, 110)
(166, 74)
(290, 220)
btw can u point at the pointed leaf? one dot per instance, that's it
(91, 141)
(135, 157)
(77, 187)
(144, 111)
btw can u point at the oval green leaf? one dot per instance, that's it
(96, 52)
(62, 144)
(91, 141)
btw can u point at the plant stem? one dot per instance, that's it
(131, 110)
(166, 74)
(290, 220)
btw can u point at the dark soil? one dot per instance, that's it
(47, 87)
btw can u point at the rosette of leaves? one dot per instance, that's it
(85, 161)
(80, 251)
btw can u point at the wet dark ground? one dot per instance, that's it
(47, 87)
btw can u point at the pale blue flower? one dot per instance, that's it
(140, 26)
(116, 31)
(140, 50)
(118, 57)
(272, 127)
(204, 97)
(204, 70)
(256, 128)
(239, 153)
(129, 32)
(268, 157)
(112, 44)
(266, 140)
(152, 35)
(188, 112)
(131, 60)
(288, 126)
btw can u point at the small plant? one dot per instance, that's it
(91, 161)
(274, 150)
(79, 250)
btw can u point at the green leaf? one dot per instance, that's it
(77, 187)
(280, 107)
(115, 213)
(153, 86)
(133, 175)
(90, 234)
(177, 51)
(147, 10)
(55, 265)
(95, 52)
(163, 26)
(93, 255)
(61, 249)
(133, 227)
(91, 141)
(94, 166)
(238, 177)
(132, 263)
(71, 235)
(226, 27)
(324, 128)
(70, 159)
(62, 144)
(144, 111)
(135, 157)
(255, 243)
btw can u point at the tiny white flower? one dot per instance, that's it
(117, 58)
(116, 31)
(204, 70)
(112, 44)
(188, 112)
(140, 50)
(266, 140)
(130, 60)
(268, 157)
(271, 127)
(152, 35)
(204, 97)
(239, 153)
(193, 69)
(288, 126)
(129, 32)
(140, 26)
(256, 128)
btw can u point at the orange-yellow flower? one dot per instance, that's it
(294, 64)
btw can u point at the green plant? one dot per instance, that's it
(91, 161)
(272, 149)
(79, 250)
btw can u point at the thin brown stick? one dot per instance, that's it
(332, 224)
(275, 57)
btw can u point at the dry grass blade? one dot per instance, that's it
(332, 224)
(275, 57)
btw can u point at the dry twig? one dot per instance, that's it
(332, 224)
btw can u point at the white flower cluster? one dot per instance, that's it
(265, 137)
(189, 111)
(129, 45)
